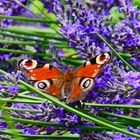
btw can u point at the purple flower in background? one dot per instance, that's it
(75, 130)
(115, 85)
(125, 34)
(79, 24)
(1, 87)
(4, 56)
(120, 136)
(10, 8)
(30, 130)
(9, 86)
(13, 89)
(49, 5)
(3, 124)
(101, 6)
(50, 129)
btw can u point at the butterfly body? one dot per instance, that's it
(70, 85)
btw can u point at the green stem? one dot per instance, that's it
(71, 61)
(40, 10)
(2, 72)
(23, 37)
(27, 8)
(121, 116)
(35, 122)
(75, 136)
(20, 100)
(26, 19)
(113, 105)
(114, 51)
(31, 33)
(24, 93)
(42, 123)
(25, 52)
(21, 110)
(137, 100)
(31, 97)
(32, 43)
(127, 55)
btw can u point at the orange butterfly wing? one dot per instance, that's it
(75, 93)
(45, 72)
(87, 71)
(92, 67)
(54, 79)
(41, 73)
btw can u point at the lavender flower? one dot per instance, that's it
(10, 8)
(125, 33)
(55, 114)
(13, 89)
(9, 86)
(79, 25)
(121, 136)
(102, 6)
(49, 5)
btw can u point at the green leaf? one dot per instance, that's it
(115, 16)
(136, 3)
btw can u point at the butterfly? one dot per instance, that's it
(69, 85)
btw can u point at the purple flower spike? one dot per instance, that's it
(13, 89)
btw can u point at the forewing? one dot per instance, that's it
(92, 67)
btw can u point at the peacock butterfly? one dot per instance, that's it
(70, 85)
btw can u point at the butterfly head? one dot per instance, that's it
(68, 75)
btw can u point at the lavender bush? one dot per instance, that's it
(67, 33)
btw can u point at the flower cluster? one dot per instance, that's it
(10, 8)
(10, 88)
(80, 24)
(49, 5)
(125, 34)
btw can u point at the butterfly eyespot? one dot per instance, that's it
(101, 59)
(42, 85)
(27, 64)
(86, 83)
